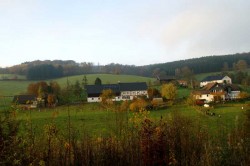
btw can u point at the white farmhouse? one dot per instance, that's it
(218, 79)
(122, 91)
(217, 91)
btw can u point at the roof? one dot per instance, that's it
(96, 90)
(210, 86)
(200, 92)
(212, 78)
(166, 78)
(23, 99)
(134, 86)
(217, 93)
(182, 81)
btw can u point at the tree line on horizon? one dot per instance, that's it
(40, 70)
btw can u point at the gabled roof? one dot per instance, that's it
(23, 99)
(134, 86)
(212, 78)
(209, 86)
(165, 78)
(200, 92)
(223, 86)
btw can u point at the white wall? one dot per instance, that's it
(234, 95)
(125, 95)
(94, 99)
(206, 97)
(226, 78)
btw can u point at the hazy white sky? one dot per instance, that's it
(135, 32)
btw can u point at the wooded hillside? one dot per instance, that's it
(68, 68)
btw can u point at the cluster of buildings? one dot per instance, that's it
(216, 88)
(212, 88)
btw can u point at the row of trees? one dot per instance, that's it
(239, 77)
(44, 71)
(204, 64)
(196, 65)
(51, 93)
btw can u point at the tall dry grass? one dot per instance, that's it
(137, 140)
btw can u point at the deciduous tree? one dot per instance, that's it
(169, 91)
(241, 65)
(107, 96)
(138, 104)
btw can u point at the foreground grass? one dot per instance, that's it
(89, 135)
(91, 118)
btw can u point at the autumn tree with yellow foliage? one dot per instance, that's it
(107, 96)
(169, 91)
(138, 104)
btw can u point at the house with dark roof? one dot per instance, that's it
(24, 99)
(122, 91)
(217, 91)
(132, 90)
(218, 79)
(28, 101)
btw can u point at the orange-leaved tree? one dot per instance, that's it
(107, 96)
(169, 91)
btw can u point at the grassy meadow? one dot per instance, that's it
(96, 121)
(14, 87)
(89, 134)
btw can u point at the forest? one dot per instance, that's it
(39, 69)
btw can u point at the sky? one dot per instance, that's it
(133, 32)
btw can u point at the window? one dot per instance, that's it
(92, 98)
(125, 97)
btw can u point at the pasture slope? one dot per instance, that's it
(200, 77)
(13, 87)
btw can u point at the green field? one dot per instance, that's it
(11, 76)
(14, 87)
(91, 118)
(106, 79)
(101, 131)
